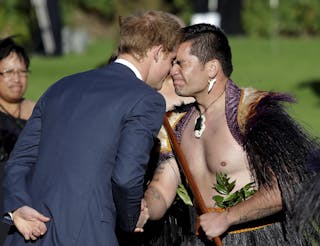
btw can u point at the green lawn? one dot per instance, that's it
(286, 65)
(47, 70)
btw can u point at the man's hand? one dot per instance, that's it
(143, 218)
(214, 223)
(29, 222)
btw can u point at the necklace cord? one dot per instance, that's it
(12, 115)
(200, 120)
(211, 103)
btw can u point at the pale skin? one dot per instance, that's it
(30, 223)
(172, 99)
(215, 151)
(154, 68)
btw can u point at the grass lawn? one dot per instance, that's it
(286, 65)
(45, 70)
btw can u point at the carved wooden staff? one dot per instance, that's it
(186, 170)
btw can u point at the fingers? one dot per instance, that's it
(143, 218)
(43, 229)
(33, 237)
(43, 218)
(214, 224)
(144, 204)
(30, 223)
(138, 229)
(37, 231)
(26, 235)
(33, 232)
(30, 229)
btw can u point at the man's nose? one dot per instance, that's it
(174, 69)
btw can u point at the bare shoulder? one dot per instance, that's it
(27, 108)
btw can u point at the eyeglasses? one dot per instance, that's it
(8, 74)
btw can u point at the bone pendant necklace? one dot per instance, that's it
(200, 126)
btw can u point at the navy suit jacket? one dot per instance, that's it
(82, 155)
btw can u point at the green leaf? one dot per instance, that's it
(239, 199)
(220, 178)
(183, 194)
(231, 186)
(219, 201)
(248, 186)
(224, 187)
(231, 197)
(217, 198)
(249, 193)
(221, 189)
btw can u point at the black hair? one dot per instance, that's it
(7, 46)
(209, 42)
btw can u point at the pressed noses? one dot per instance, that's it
(174, 69)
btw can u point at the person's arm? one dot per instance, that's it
(17, 201)
(162, 189)
(265, 202)
(136, 141)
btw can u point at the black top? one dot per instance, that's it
(10, 129)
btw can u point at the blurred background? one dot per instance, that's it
(275, 43)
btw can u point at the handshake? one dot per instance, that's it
(143, 218)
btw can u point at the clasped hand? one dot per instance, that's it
(30, 223)
(214, 223)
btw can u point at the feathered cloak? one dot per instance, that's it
(276, 146)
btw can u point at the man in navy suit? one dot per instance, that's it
(78, 168)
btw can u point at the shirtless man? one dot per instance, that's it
(217, 135)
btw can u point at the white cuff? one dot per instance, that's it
(11, 215)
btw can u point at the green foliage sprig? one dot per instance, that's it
(183, 194)
(224, 187)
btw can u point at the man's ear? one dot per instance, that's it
(157, 52)
(212, 68)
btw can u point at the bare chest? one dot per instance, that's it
(215, 151)
(216, 148)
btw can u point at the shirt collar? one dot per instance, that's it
(129, 65)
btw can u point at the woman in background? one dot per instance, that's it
(14, 108)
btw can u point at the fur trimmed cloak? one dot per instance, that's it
(276, 146)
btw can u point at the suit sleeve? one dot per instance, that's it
(20, 164)
(136, 141)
